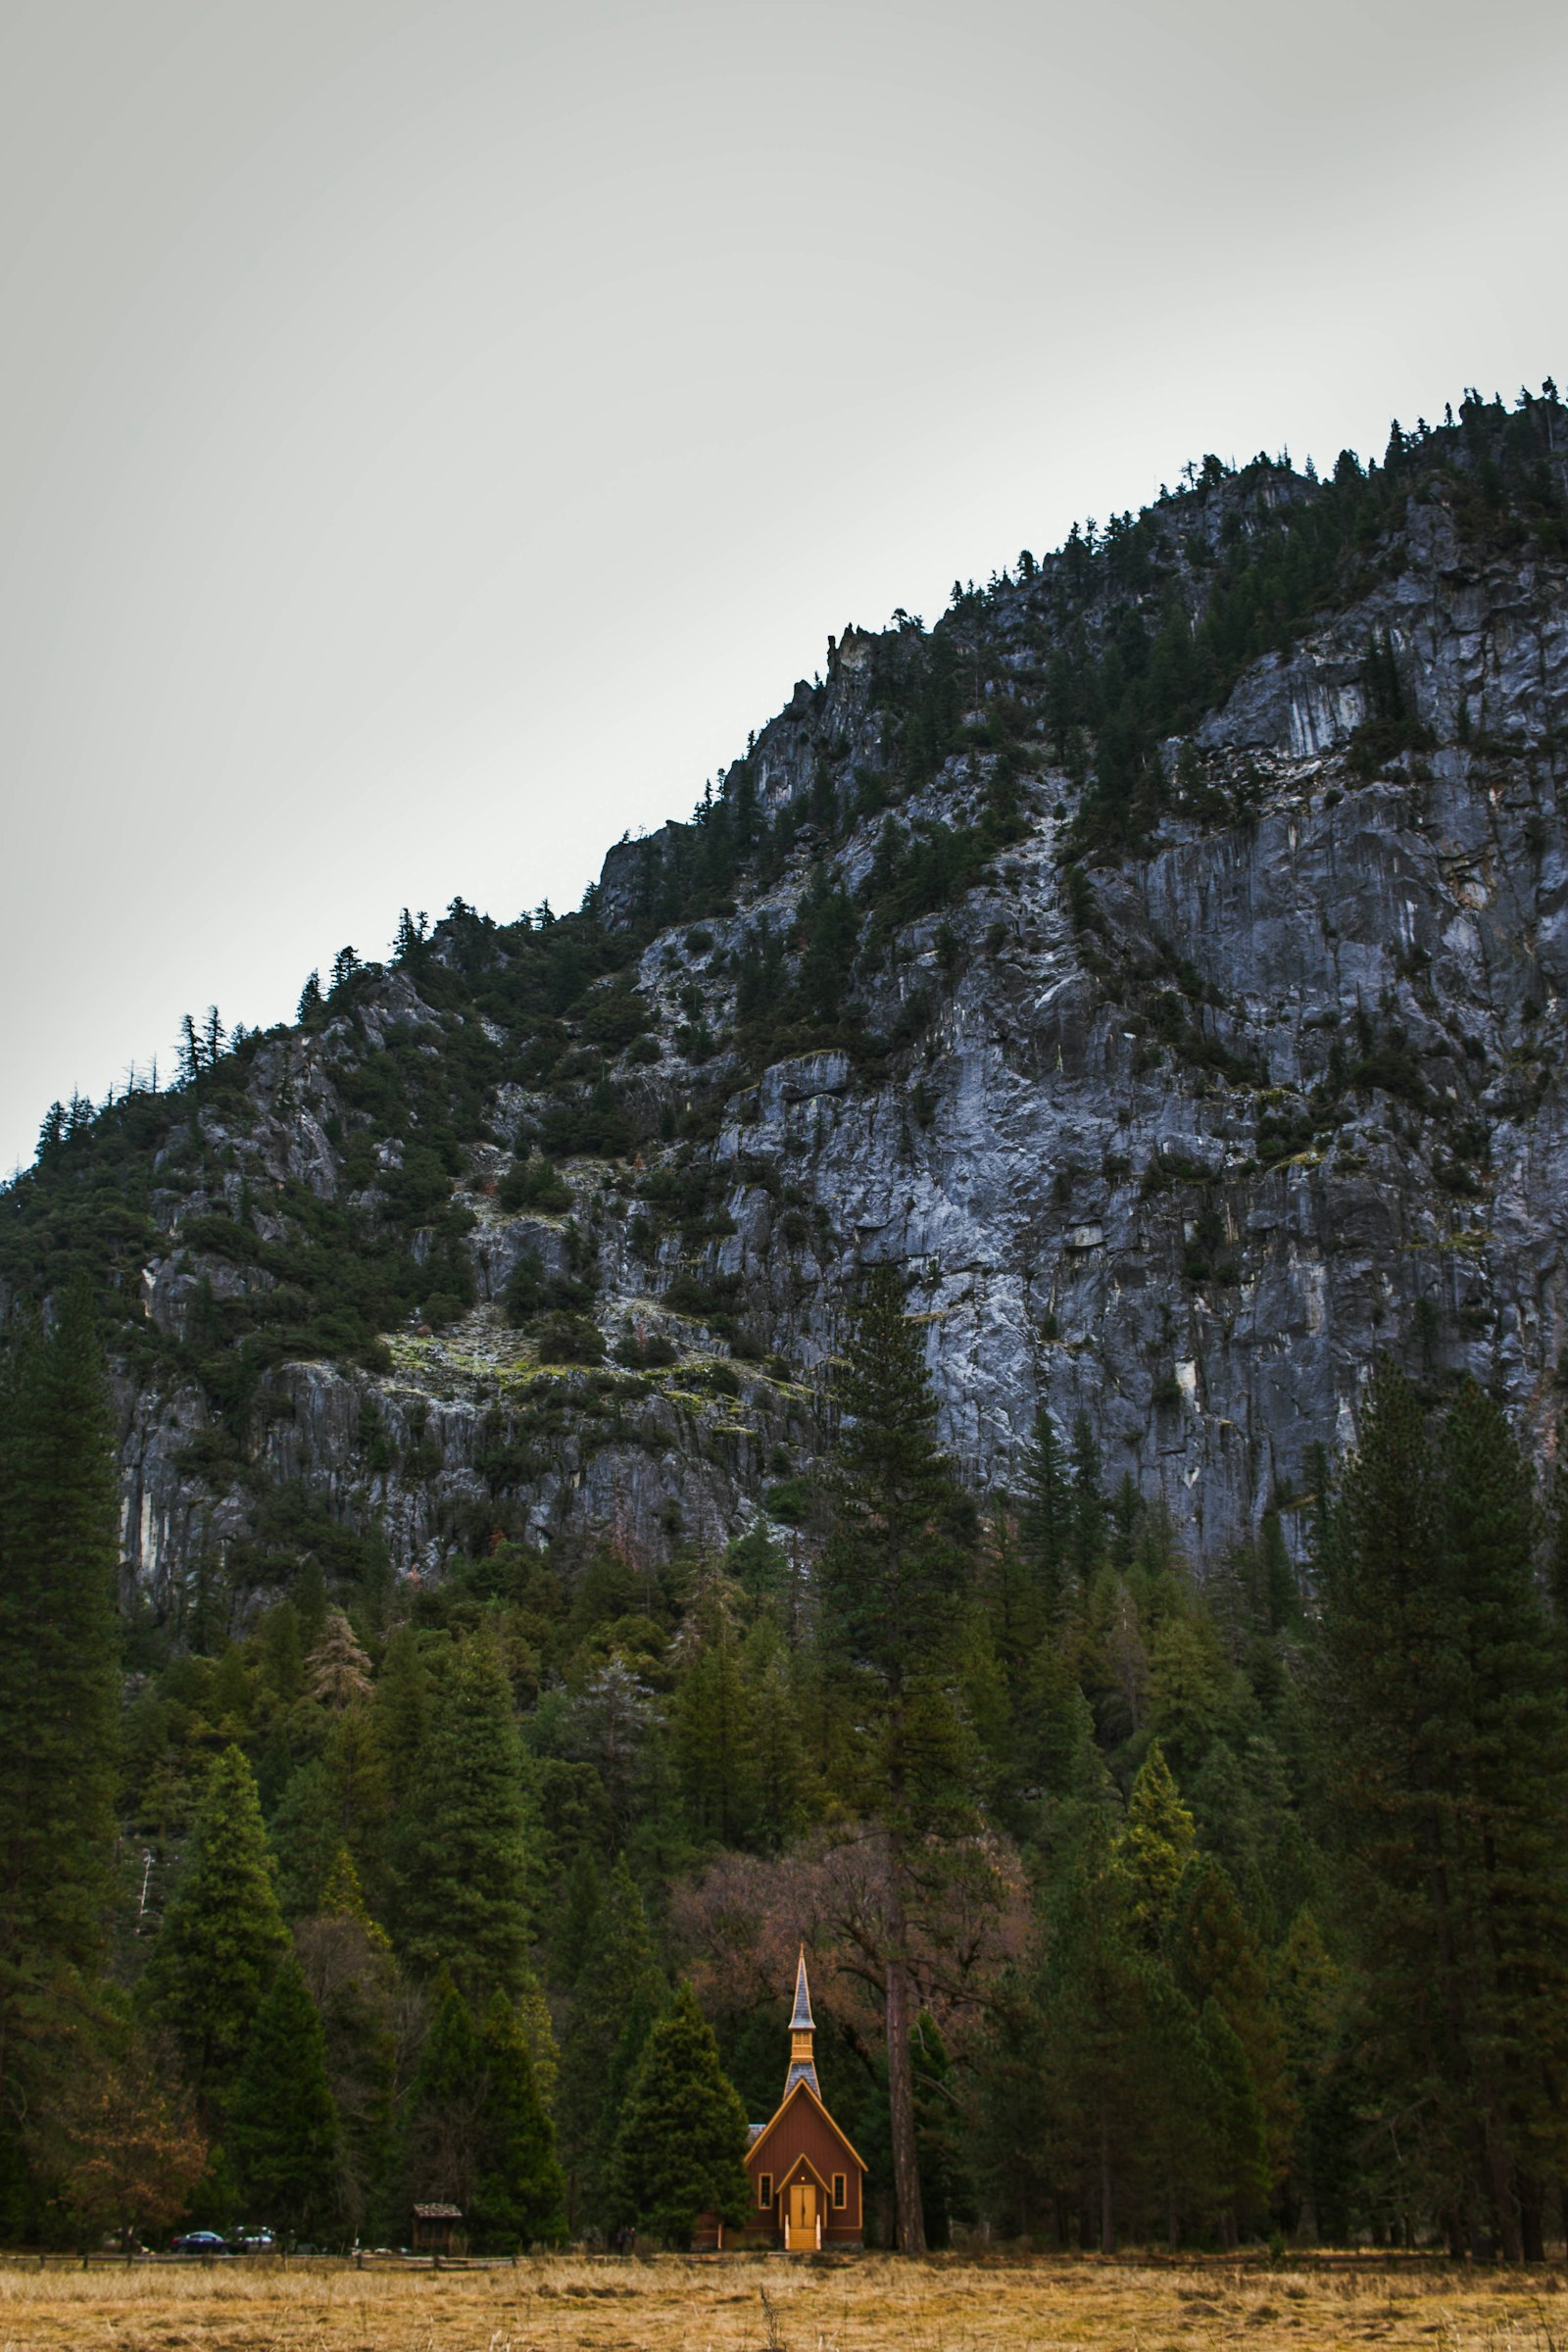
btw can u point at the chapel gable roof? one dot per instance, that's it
(803, 2090)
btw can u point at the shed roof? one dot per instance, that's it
(438, 2213)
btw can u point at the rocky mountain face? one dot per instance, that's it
(1180, 1079)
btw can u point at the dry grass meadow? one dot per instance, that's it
(772, 2305)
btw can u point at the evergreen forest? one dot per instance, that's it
(1142, 1907)
(1154, 1892)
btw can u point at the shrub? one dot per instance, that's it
(648, 1355)
(532, 1292)
(789, 1502)
(533, 1183)
(688, 1295)
(615, 1015)
(598, 1125)
(525, 1292)
(565, 1339)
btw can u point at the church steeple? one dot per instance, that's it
(803, 2066)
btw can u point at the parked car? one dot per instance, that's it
(252, 2241)
(201, 2241)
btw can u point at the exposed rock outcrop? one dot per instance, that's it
(1177, 1142)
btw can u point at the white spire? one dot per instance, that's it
(802, 2021)
(803, 2066)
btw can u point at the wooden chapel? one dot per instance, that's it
(807, 2180)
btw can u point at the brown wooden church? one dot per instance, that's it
(807, 2180)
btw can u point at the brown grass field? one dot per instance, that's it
(768, 2304)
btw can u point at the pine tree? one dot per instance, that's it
(1381, 1641)
(221, 1938)
(937, 2135)
(282, 1654)
(1099, 2057)
(283, 2138)
(1507, 1768)
(357, 1771)
(518, 2195)
(1442, 1708)
(784, 1770)
(359, 1994)
(1046, 1527)
(576, 1918)
(1308, 1991)
(1188, 2159)
(680, 2147)
(1244, 2170)
(1057, 1753)
(711, 1728)
(444, 2116)
(890, 1580)
(1007, 2150)
(619, 1994)
(59, 1690)
(401, 1708)
(1215, 1957)
(980, 1687)
(1097, 2088)
(539, 2033)
(338, 1671)
(461, 1850)
(1154, 1847)
(893, 1570)
(1557, 1548)
(1280, 1592)
(307, 1837)
(1089, 1516)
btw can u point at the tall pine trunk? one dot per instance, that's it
(910, 2220)
(891, 1581)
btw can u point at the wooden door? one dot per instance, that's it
(801, 2230)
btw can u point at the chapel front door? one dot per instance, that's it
(800, 2229)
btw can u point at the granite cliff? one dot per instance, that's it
(1162, 959)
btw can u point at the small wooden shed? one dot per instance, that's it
(806, 2179)
(436, 2227)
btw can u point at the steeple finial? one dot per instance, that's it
(803, 2064)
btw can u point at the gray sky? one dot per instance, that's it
(432, 433)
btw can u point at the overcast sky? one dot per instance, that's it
(432, 433)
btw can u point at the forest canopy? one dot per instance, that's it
(1142, 1904)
